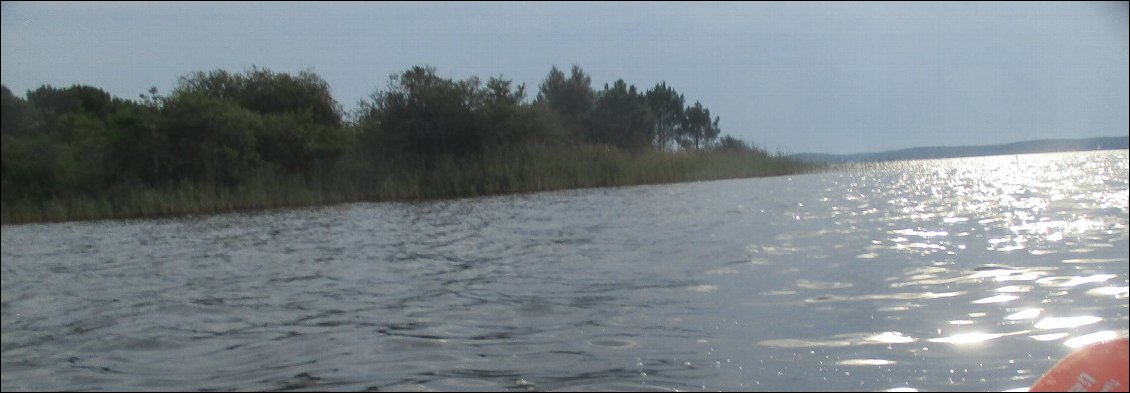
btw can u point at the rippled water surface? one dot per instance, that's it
(962, 274)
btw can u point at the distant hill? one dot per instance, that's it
(924, 153)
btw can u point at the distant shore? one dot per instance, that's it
(933, 152)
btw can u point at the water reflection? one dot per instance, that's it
(1116, 292)
(961, 228)
(1049, 337)
(996, 299)
(864, 362)
(972, 338)
(1088, 339)
(1066, 322)
(1030, 313)
(842, 340)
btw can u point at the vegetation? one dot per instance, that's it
(224, 141)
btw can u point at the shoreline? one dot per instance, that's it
(583, 169)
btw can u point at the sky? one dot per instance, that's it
(837, 77)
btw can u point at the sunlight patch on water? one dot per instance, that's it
(797, 343)
(923, 246)
(1066, 322)
(1041, 227)
(893, 309)
(842, 340)
(972, 338)
(1010, 248)
(932, 277)
(996, 299)
(809, 284)
(1049, 337)
(1071, 281)
(1030, 313)
(703, 288)
(1092, 338)
(993, 272)
(890, 296)
(1117, 292)
(890, 338)
(865, 362)
(1094, 260)
(915, 232)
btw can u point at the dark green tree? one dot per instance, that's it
(137, 144)
(209, 139)
(571, 98)
(28, 167)
(140, 126)
(509, 120)
(622, 118)
(53, 102)
(15, 115)
(698, 130)
(86, 164)
(302, 123)
(422, 116)
(296, 143)
(77, 131)
(265, 92)
(667, 106)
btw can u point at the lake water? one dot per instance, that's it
(961, 274)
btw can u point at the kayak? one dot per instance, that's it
(1099, 367)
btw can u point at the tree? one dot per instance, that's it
(78, 133)
(53, 102)
(509, 120)
(571, 98)
(500, 95)
(302, 122)
(667, 106)
(28, 167)
(139, 144)
(296, 143)
(622, 118)
(698, 130)
(86, 165)
(265, 92)
(148, 142)
(15, 116)
(209, 139)
(422, 116)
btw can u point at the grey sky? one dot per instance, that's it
(800, 77)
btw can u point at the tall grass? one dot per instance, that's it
(519, 171)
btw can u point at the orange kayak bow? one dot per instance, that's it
(1095, 368)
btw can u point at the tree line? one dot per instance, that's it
(223, 128)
